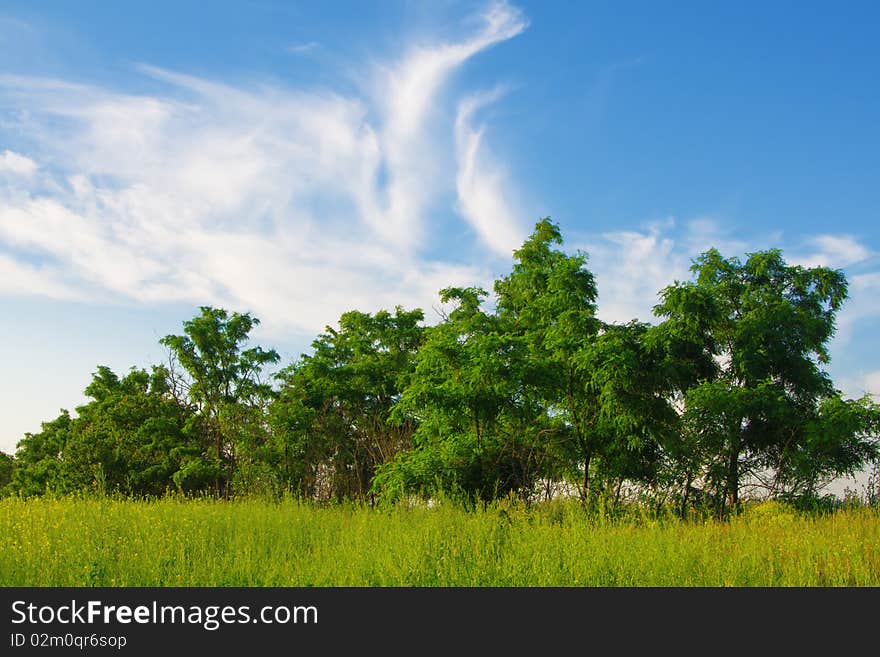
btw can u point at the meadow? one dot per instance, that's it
(175, 542)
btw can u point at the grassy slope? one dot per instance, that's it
(251, 543)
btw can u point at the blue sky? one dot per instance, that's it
(297, 160)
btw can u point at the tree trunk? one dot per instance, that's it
(687, 493)
(878, 483)
(585, 485)
(219, 461)
(230, 471)
(733, 476)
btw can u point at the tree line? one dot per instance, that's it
(523, 392)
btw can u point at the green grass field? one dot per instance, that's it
(88, 542)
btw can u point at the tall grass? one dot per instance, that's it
(102, 542)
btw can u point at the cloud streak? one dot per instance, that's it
(406, 97)
(484, 196)
(302, 48)
(631, 267)
(15, 164)
(296, 204)
(832, 251)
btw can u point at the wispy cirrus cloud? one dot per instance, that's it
(22, 279)
(630, 268)
(406, 93)
(15, 164)
(485, 197)
(858, 385)
(831, 251)
(302, 48)
(297, 204)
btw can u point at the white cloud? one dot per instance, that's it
(631, 267)
(832, 251)
(16, 164)
(484, 198)
(295, 204)
(872, 383)
(863, 303)
(704, 233)
(857, 385)
(406, 94)
(302, 48)
(18, 278)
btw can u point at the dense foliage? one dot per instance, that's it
(526, 394)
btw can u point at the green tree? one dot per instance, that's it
(224, 384)
(39, 462)
(332, 419)
(7, 467)
(549, 300)
(131, 438)
(477, 421)
(633, 417)
(756, 335)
